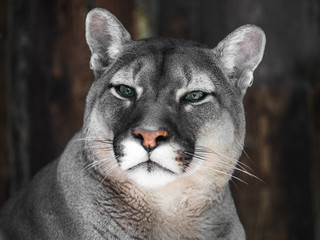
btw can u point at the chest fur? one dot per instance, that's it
(187, 214)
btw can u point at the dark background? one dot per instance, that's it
(45, 76)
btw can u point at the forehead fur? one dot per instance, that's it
(174, 60)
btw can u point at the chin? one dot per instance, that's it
(156, 178)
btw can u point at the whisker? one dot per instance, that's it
(94, 153)
(203, 153)
(90, 138)
(223, 164)
(236, 161)
(212, 170)
(203, 157)
(234, 184)
(102, 151)
(241, 166)
(198, 177)
(107, 172)
(97, 147)
(95, 163)
(243, 150)
(193, 155)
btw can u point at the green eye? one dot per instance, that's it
(195, 96)
(125, 91)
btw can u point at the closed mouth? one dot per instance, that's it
(150, 166)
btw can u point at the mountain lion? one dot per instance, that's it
(163, 130)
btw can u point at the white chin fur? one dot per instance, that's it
(134, 154)
(154, 179)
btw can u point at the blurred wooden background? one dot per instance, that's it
(44, 78)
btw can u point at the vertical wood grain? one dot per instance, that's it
(4, 144)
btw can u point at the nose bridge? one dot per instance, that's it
(153, 116)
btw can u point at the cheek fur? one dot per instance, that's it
(219, 150)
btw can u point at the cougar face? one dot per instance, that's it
(166, 113)
(164, 109)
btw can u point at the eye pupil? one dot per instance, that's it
(195, 96)
(125, 91)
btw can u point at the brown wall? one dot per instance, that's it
(4, 161)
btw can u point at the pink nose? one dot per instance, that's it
(150, 138)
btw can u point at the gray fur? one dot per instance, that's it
(101, 187)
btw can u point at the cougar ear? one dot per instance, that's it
(240, 53)
(105, 36)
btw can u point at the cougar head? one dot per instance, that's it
(164, 109)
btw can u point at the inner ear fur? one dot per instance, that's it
(105, 36)
(240, 53)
